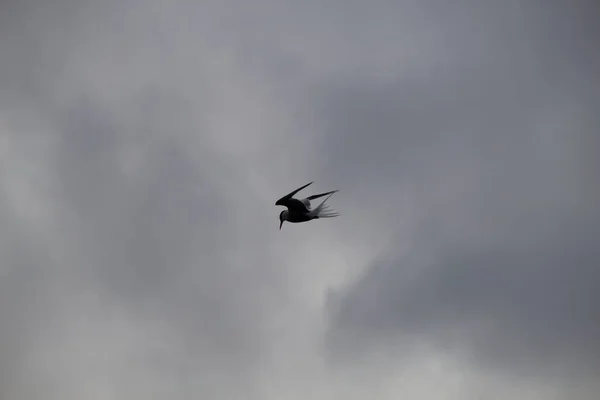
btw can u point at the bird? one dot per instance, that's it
(299, 210)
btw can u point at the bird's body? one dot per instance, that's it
(299, 210)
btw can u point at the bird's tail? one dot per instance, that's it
(323, 210)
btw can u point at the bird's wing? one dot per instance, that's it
(286, 199)
(306, 203)
(316, 196)
(298, 206)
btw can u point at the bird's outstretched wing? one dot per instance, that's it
(316, 196)
(285, 200)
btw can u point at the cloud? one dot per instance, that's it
(142, 146)
(122, 272)
(525, 309)
(492, 203)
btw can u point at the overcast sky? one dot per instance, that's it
(143, 145)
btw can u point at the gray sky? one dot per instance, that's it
(143, 144)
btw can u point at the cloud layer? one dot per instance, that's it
(142, 145)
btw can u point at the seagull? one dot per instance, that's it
(300, 210)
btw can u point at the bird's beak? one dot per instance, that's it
(280, 223)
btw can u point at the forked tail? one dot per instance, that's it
(324, 210)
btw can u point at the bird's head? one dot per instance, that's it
(282, 217)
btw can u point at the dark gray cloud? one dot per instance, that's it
(142, 146)
(526, 309)
(498, 230)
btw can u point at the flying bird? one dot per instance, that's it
(300, 210)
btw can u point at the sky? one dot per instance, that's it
(143, 145)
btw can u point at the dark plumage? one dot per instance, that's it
(300, 210)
